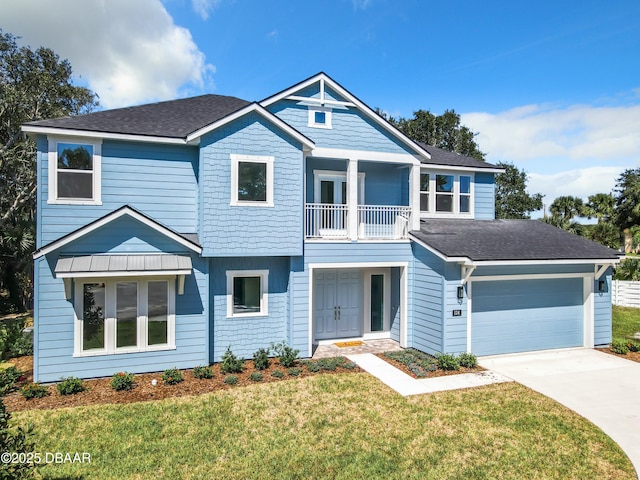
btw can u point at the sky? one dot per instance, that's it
(552, 86)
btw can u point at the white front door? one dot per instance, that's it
(337, 305)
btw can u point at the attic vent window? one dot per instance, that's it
(320, 117)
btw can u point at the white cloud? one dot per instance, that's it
(128, 52)
(361, 4)
(204, 7)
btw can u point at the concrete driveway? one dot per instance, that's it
(602, 388)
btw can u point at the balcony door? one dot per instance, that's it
(330, 190)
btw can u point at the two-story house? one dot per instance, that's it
(168, 232)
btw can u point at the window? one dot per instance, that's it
(320, 117)
(124, 315)
(247, 293)
(74, 172)
(446, 194)
(252, 180)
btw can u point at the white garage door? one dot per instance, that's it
(525, 315)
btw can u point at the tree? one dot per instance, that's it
(34, 85)
(567, 207)
(511, 197)
(627, 197)
(442, 131)
(600, 206)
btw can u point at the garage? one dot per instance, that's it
(509, 316)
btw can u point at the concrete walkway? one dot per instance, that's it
(603, 388)
(407, 385)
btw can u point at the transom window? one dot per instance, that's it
(120, 316)
(74, 172)
(446, 194)
(247, 293)
(320, 117)
(252, 180)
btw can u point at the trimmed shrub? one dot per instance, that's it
(277, 373)
(231, 379)
(446, 361)
(468, 360)
(34, 390)
(287, 356)
(172, 376)
(70, 386)
(231, 363)
(634, 346)
(202, 371)
(620, 347)
(121, 381)
(256, 377)
(8, 378)
(261, 359)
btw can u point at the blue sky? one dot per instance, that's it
(552, 86)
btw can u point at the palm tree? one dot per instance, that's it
(567, 207)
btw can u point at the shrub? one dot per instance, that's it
(15, 440)
(11, 331)
(329, 364)
(349, 365)
(634, 346)
(287, 356)
(34, 390)
(172, 376)
(295, 371)
(231, 379)
(201, 371)
(620, 347)
(122, 381)
(70, 386)
(255, 377)
(8, 378)
(446, 361)
(468, 360)
(261, 359)
(277, 373)
(22, 346)
(313, 367)
(231, 363)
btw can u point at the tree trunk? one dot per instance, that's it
(628, 241)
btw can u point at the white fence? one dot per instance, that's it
(625, 293)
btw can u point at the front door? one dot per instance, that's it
(337, 301)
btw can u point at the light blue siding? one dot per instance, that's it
(485, 207)
(244, 335)
(516, 316)
(455, 327)
(240, 230)
(602, 311)
(158, 180)
(396, 302)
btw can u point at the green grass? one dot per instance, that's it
(331, 426)
(626, 321)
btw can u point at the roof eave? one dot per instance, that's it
(32, 130)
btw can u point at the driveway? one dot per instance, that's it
(602, 388)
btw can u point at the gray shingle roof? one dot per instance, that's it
(444, 157)
(486, 240)
(173, 119)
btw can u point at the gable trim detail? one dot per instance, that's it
(101, 222)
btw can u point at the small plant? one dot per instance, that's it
(34, 390)
(313, 367)
(121, 381)
(261, 359)
(634, 346)
(446, 361)
(22, 346)
(70, 386)
(256, 377)
(8, 378)
(287, 356)
(620, 347)
(231, 379)
(277, 373)
(468, 360)
(349, 365)
(202, 371)
(231, 363)
(295, 371)
(172, 376)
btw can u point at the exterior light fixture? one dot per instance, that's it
(601, 285)
(460, 292)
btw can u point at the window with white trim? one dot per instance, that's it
(320, 117)
(247, 293)
(74, 172)
(252, 180)
(124, 315)
(446, 194)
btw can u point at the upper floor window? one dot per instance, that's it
(446, 194)
(320, 117)
(252, 180)
(74, 172)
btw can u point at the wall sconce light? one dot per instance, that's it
(460, 292)
(601, 285)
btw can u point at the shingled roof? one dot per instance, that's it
(507, 240)
(172, 119)
(444, 157)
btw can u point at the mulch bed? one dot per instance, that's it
(633, 356)
(99, 391)
(436, 373)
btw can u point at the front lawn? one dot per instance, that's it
(331, 426)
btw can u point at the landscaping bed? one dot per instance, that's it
(99, 391)
(421, 365)
(633, 356)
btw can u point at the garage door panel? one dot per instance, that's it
(525, 315)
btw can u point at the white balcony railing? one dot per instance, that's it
(327, 221)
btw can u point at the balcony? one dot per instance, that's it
(324, 221)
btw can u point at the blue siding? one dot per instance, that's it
(245, 335)
(485, 206)
(602, 311)
(237, 230)
(455, 327)
(394, 317)
(158, 180)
